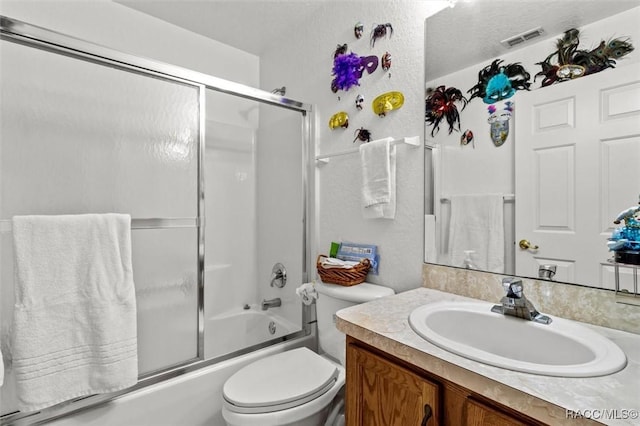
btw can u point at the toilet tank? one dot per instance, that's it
(332, 298)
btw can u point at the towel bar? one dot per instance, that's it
(508, 198)
(411, 140)
(142, 223)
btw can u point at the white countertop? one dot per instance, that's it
(383, 323)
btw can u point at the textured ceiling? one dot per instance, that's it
(474, 27)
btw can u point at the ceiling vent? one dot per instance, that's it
(522, 37)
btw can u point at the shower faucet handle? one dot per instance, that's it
(278, 275)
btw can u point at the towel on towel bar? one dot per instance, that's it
(477, 223)
(74, 331)
(378, 162)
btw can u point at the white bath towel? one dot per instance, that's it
(477, 223)
(74, 331)
(378, 163)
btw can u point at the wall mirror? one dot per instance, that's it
(559, 205)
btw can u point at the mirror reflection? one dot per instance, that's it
(531, 152)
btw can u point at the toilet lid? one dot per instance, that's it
(280, 381)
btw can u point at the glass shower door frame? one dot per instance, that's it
(36, 37)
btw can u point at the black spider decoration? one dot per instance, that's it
(363, 134)
(380, 31)
(441, 104)
(496, 81)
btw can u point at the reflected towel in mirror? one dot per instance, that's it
(477, 223)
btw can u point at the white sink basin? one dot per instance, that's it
(563, 348)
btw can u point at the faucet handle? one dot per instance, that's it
(278, 275)
(513, 287)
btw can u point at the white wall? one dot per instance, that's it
(303, 62)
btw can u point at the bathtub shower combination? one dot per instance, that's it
(204, 167)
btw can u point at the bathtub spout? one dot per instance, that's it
(271, 303)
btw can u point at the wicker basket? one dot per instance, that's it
(343, 276)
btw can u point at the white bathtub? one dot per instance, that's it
(195, 399)
(243, 328)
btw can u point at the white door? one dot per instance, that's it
(577, 166)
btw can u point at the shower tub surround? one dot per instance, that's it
(236, 330)
(384, 324)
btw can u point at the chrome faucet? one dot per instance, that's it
(271, 303)
(516, 304)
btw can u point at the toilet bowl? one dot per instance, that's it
(295, 387)
(298, 387)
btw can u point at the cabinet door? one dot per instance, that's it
(478, 414)
(381, 393)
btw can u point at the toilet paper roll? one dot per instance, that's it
(307, 293)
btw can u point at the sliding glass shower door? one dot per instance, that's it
(213, 175)
(254, 198)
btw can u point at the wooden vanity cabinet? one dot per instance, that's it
(384, 391)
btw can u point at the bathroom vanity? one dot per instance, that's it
(386, 387)
(392, 372)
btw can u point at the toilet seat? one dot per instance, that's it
(278, 382)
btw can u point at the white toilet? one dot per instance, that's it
(297, 387)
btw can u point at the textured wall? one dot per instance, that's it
(303, 62)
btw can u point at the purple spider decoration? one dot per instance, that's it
(440, 104)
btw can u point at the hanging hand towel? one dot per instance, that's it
(378, 163)
(477, 223)
(74, 330)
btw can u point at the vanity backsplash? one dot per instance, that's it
(584, 304)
